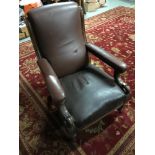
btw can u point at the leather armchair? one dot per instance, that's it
(82, 92)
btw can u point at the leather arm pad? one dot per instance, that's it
(108, 58)
(53, 84)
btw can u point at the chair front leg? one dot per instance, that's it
(68, 122)
(121, 83)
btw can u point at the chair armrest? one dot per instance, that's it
(108, 58)
(53, 84)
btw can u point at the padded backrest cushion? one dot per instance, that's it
(58, 32)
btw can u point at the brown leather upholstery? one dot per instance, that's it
(86, 92)
(58, 33)
(112, 61)
(90, 94)
(52, 81)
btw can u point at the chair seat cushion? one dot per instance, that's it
(90, 94)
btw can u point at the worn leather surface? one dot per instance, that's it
(90, 94)
(53, 84)
(58, 32)
(87, 92)
(114, 62)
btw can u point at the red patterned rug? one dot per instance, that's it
(113, 135)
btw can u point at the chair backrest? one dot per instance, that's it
(58, 33)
